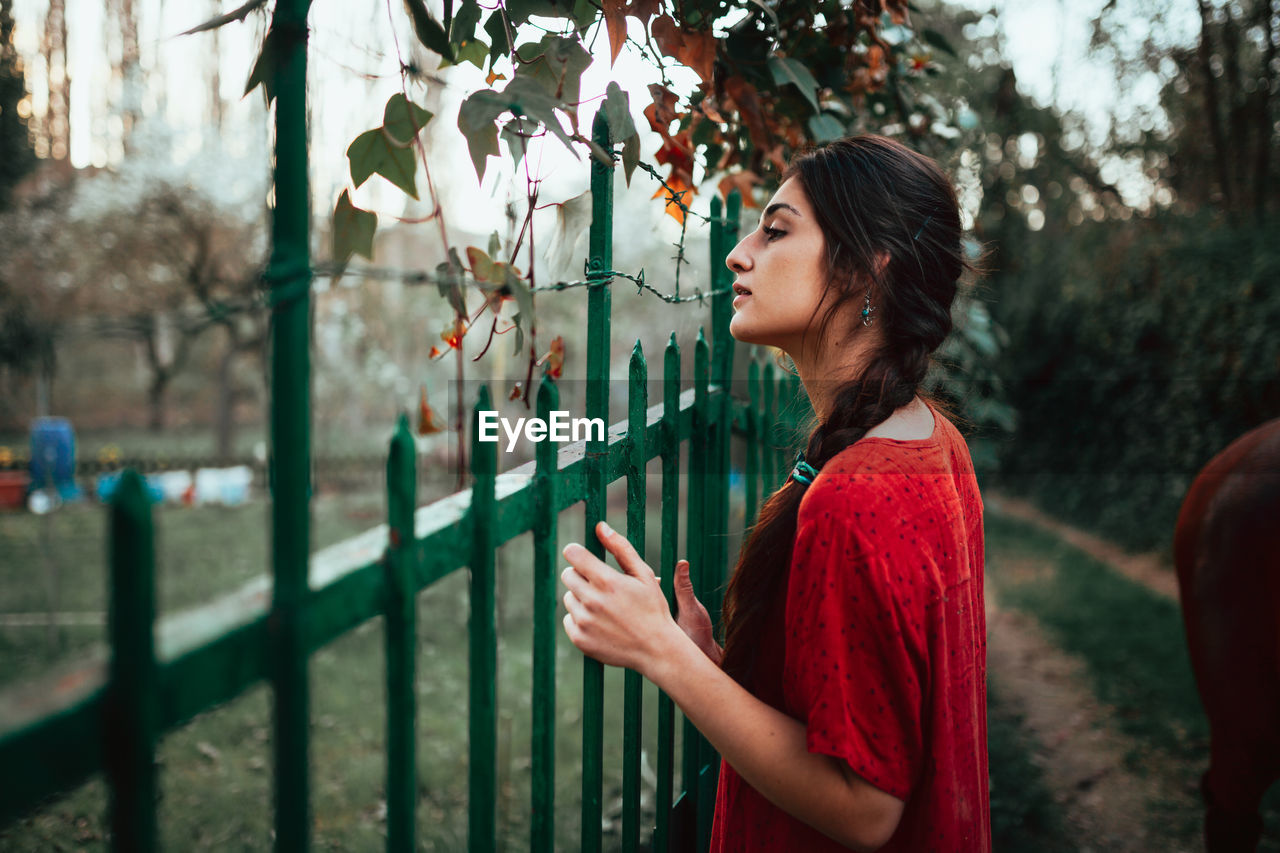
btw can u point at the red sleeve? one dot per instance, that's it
(853, 667)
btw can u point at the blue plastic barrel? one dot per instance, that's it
(53, 457)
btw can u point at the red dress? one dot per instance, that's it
(880, 647)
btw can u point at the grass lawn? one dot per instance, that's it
(1130, 638)
(216, 772)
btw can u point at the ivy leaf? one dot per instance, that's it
(523, 296)
(515, 133)
(787, 70)
(622, 128)
(935, 39)
(402, 119)
(482, 266)
(264, 69)
(495, 245)
(557, 63)
(615, 21)
(464, 23)
(825, 128)
(500, 43)
(449, 275)
(617, 108)
(573, 216)
(373, 151)
(528, 98)
(515, 353)
(352, 230)
(476, 121)
(428, 29)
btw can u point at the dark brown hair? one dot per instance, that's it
(873, 198)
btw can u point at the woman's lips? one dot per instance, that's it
(740, 298)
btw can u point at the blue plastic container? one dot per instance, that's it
(53, 457)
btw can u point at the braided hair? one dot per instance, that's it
(891, 225)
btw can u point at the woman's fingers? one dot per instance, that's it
(623, 551)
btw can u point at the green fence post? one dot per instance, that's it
(754, 437)
(130, 714)
(483, 672)
(637, 504)
(670, 538)
(401, 638)
(546, 561)
(599, 264)
(289, 272)
(696, 749)
(768, 431)
(725, 230)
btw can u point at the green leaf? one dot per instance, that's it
(527, 97)
(473, 51)
(495, 245)
(617, 108)
(515, 133)
(499, 40)
(428, 29)
(824, 127)
(630, 155)
(352, 230)
(449, 284)
(787, 70)
(464, 23)
(264, 69)
(524, 300)
(476, 121)
(515, 353)
(373, 151)
(935, 39)
(519, 11)
(557, 64)
(402, 119)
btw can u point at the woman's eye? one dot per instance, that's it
(772, 234)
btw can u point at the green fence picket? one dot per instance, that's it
(670, 537)
(637, 505)
(290, 433)
(754, 437)
(483, 640)
(545, 563)
(401, 633)
(130, 719)
(599, 263)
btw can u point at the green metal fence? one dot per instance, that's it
(159, 676)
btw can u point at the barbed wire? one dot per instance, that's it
(422, 277)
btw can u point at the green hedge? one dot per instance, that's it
(1136, 352)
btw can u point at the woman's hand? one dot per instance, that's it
(692, 617)
(618, 619)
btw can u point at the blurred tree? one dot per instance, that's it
(17, 157)
(176, 265)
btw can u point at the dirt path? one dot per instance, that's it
(1153, 570)
(1106, 806)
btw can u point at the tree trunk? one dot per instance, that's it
(1262, 163)
(1212, 113)
(156, 401)
(224, 420)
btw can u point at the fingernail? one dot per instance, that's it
(608, 531)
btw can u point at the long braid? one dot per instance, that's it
(858, 407)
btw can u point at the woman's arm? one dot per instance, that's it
(624, 620)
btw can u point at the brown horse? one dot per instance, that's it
(1227, 550)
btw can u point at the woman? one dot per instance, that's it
(849, 703)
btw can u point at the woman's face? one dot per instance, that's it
(780, 272)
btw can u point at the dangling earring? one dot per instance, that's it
(867, 310)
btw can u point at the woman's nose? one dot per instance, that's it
(738, 260)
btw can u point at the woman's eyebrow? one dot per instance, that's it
(779, 205)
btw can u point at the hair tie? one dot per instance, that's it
(922, 225)
(803, 472)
